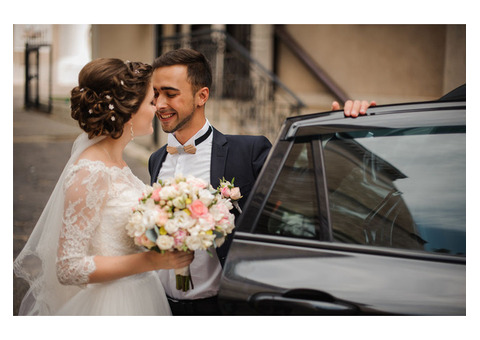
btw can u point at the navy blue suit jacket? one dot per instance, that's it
(233, 156)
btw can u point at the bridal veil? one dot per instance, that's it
(36, 263)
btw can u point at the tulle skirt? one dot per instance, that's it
(141, 294)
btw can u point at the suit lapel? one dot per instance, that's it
(162, 154)
(219, 158)
(217, 172)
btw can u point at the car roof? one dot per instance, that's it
(422, 114)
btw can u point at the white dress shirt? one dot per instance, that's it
(205, 268)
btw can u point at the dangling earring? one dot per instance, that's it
(131, 131)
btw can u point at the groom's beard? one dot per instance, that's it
(181, 124)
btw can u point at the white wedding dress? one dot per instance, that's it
(97, 202)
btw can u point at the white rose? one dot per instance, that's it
(183, 219)
(180, 220)
(228, 204)
(207, 223)
(207, 241)
(171, 226)
(135, 226)
(135, 218)
(140, 230)
(194, 230)
(216, 213)
(165, 242)
(149, 204)
(149, 217)
(231, 225)
(205, 197)
(168, 192)
(183, 187)
(130, 229)
(193, 242)
(179, 202)
(226, 224)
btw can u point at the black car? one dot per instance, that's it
(356, 216)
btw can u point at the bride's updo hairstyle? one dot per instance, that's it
(109, 91)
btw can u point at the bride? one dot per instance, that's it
(79, 259)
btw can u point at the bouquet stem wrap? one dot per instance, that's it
(183, 278)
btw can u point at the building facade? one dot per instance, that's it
(263, 73)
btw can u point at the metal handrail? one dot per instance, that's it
(244, 52)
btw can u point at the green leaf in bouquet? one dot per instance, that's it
(152, 234)
(218, 234)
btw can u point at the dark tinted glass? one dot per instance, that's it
(291, 208)
(398, 188)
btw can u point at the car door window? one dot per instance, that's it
(398, 188)
(292, 207)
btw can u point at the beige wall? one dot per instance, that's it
(127, 42)
(389, 63)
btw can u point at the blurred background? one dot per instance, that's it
(262, 72)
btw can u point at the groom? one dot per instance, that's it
(181, 81)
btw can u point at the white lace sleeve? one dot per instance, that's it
(86, 190)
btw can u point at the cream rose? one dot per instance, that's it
(165, 242)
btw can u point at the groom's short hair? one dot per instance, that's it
(199, 71)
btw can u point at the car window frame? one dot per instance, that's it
(266, 181)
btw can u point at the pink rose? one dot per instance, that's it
(225, 191)
(179, 237)
(222, 208)
(161, 217)
(235, 193)
(206, 222)
(143, 240)
(156, 194)
(198, 209)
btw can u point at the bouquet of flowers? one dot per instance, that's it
(185, 214)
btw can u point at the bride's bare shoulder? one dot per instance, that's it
(92, 153)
